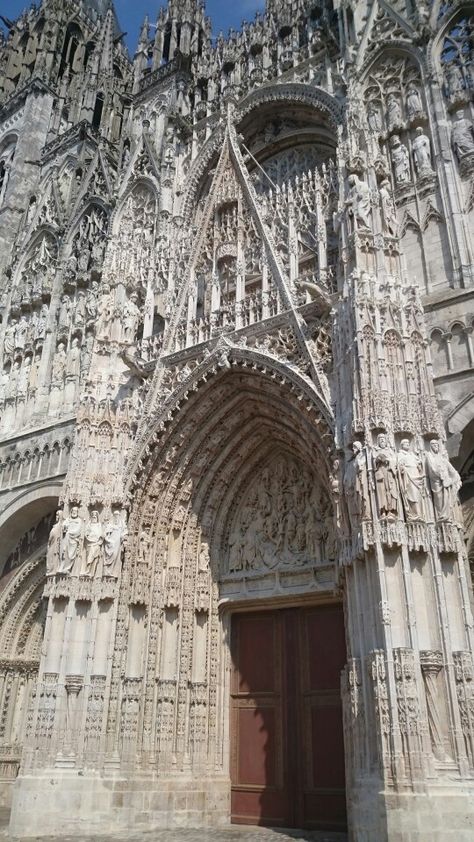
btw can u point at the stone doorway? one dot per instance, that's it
(287, 752)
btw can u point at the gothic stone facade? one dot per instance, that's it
(236, 373)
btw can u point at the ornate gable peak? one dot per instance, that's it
(48, 212)
(97, 183)
(384, 25)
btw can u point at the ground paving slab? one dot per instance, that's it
(234, 834)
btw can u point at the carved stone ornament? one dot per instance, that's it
(280, 522)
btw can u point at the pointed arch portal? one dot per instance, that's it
(237, 627)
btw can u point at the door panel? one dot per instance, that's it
(259, 791)
(287, 752)
(323, 655)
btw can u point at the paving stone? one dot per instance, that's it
(232, 834)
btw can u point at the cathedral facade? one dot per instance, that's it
(236, 420)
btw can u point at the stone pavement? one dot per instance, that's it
(232, 834)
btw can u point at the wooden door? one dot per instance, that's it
(286, 725)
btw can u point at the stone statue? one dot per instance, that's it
(394, 113)
(80, 309)
(130, 319)
(356, 486)
(12, 388)
(64, 313)
(58, 369)
(414, 104)
(400, 160)
(411, 476)
(144, 548)
(54, 546)
(24, 377)
(93, 545)
(91, 302)
(106, 314)
(462, 137)
(73, 360)
(454, 81)
(115, 533)
(9, 338)
(71, 544)
(340, 506)
(389, 213)
(204, 559)
(444, 482)
(41, 322)
(21, 333)
(385, 474)
(358, 202)
(374, 118)
(422, 153)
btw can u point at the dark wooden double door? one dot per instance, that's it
(287, 754)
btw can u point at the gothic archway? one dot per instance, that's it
(231, 508)
(24, 531)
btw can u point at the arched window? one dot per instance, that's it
(7, 154)
(73, 39)
(98, 110)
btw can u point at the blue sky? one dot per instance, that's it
(224, 13)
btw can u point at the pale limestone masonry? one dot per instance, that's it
(236, 371)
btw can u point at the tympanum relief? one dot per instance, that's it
(284, 521)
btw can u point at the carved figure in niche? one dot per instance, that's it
(13, 380)
(91, 302)
(385, 472)
(106, 314)
(422, 153)
(54, 546)
(83, 261)
(462, 137)
(389, 213)
(356, 486)
(93, 545)
(41, 322)
(454, 81)
(86, 354)
(144, 548)
(73, 360)
(115, 533)
(411, 475)
(71, 267)
(71, 543)
(80, 309)
(21, 333)
(9, 338)
(358, 203)
(58, 369)
(444, 482)
(394, 113)
(414, 104)
(64, 311)
(204, 558)
(374, 117)
(3, 385)
(24, 377)
(131, 319)
(98, 253)
(400, 160)
(340, 509)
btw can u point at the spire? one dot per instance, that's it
(96, 9)
(105, 44)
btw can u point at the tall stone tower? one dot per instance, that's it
(236, 420)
